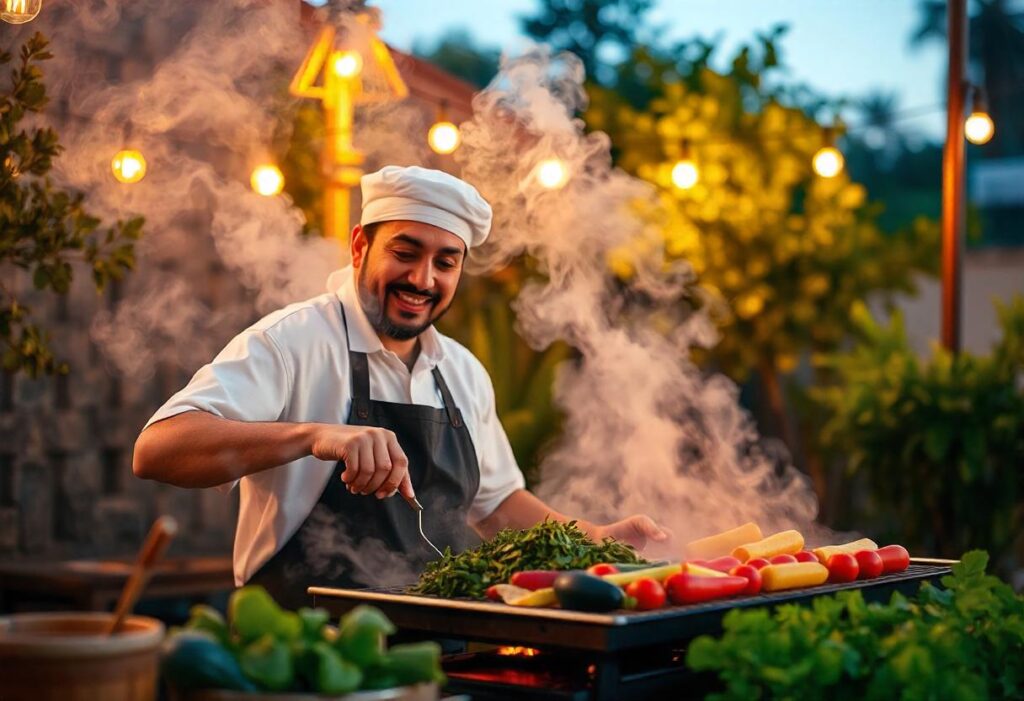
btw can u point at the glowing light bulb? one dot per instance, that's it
(552, 173)
(128, 166)
(685, 174)
(347, 64)
(828, 162)
(267, 180)
(20, 11)
(444, 137)
(979, 128)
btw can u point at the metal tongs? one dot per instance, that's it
(418, 508)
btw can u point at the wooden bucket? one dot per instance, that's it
(65, 657)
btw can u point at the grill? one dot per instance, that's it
(619, 655)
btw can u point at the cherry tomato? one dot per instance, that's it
(842, 567)
(648, 592)
(782, 559)
(758, 562)
(686, 588)
(806, 556)
(751, 574)
(602, 568)
(870, 563)
(895, 558)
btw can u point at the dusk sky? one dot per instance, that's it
(839, 47)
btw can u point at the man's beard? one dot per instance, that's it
(376, 310)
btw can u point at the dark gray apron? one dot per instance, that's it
(444, 473)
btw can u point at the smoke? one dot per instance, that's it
(646, 431)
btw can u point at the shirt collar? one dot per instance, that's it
(362, 337)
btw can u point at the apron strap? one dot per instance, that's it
(449, 403)
(360, 374)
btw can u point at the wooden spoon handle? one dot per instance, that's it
(160, 535)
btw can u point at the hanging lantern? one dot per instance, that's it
(19, 11)
(128, 166)
(267, 180)
(979, 127)
(685, 173)
(444, 137)
(828, 161)
(552, 173)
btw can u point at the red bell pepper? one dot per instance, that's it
(686, 588)
(535, 579)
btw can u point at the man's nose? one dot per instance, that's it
(422, 276)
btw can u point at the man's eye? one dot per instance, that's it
(405, 255)
(446, 264)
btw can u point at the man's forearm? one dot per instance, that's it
(198, 449)
(521, 509)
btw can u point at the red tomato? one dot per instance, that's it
(806, 556)
(493, 593)
(895, 558)
(842, 567)
(721, 564)
(686, 588)
(602, 568)
(751, 574)
(648, 592)
(782, 559)
(758, 562)
(870, 563)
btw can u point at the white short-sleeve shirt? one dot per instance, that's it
(293, 366)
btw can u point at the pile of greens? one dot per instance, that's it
(547, 546)
(962, 642)
(262, 647)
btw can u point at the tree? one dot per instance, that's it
(43, 230)
(458, 53)
(784, 253)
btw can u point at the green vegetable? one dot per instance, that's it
(361, 635)
(209, 619)
(254, 613)
(580, 591)
(268, 662)
(550, 545)
(962, 642)
(194, 659)
(313, 622)
(414, 663)
(333, 675)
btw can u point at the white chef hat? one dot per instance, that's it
(427, 196)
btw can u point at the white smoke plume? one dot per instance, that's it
(646, 431)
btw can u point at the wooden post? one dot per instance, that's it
(953, 175)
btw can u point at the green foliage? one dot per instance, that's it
(264, 647)
(941, 441)
(963, 642)
(43, 230)
(549, 545)
(459, 54)
(784, 251)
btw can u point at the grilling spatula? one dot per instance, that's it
(418, 508)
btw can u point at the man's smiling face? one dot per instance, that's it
(407, 275)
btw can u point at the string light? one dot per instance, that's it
(444, 136)
(828, 161)
(20, 11)
(979, 127)
(685, 173)
(347, 64)
(552, 173)
(267, 180)
(128, 166)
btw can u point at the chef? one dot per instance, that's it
(336, 404)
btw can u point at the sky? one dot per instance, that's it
(840, 47)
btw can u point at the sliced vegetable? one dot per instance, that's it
(686, 588)
(414, 663)
(535, 579)
(659, 573)
(207, 618)
(268, 662)
(254, 613)
(361, 635)
(793, 575)
(535, 599)
(332, 673)
(721, 564)
(649, 594)
(825, 552)
(751, 574)
(580, 591)
(723, 543)
(506, 592)
(870, 563)
(842, 567)
(701, 571)
(895, 558)
(775, 544)
(313, 622)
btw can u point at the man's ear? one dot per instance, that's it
(358, 246)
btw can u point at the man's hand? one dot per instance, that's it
(374, 462)
(638, 531)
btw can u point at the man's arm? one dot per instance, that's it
(521, 509)
(199, 449)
